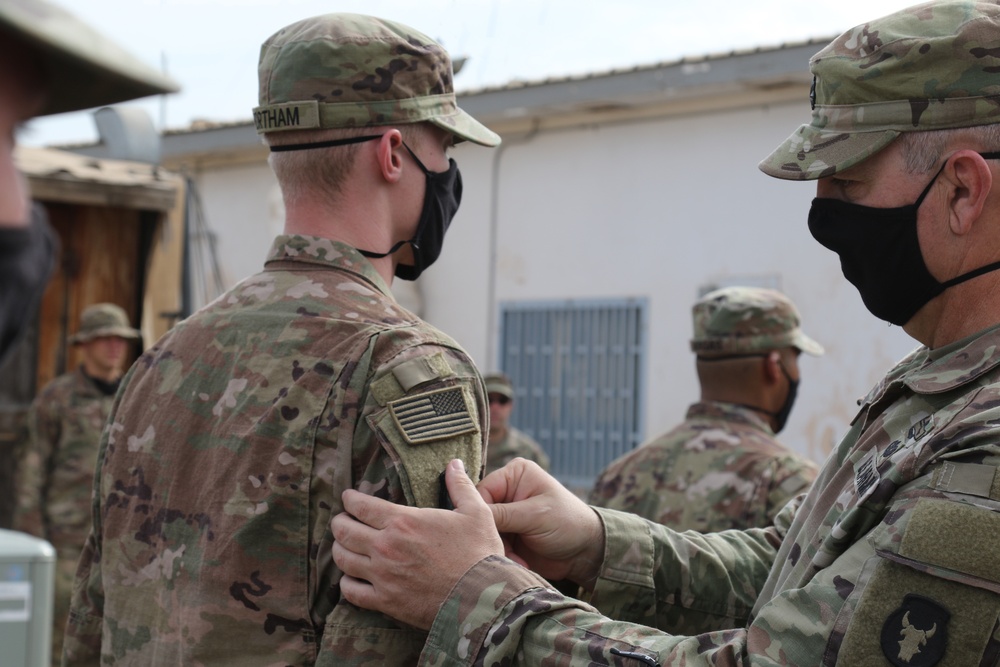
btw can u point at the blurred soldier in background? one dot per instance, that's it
(55, 480)
(506, 442)
(722, 467)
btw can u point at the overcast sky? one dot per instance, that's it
(210, 47)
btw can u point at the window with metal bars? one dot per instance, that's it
(577, 368)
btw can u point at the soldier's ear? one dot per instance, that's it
(772, 366)
(390, 160)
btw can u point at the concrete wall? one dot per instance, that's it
(659, 208)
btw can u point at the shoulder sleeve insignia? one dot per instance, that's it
(434, 415)
(916, 634)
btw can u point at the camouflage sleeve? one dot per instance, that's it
(900, 594)
(32, 476)
(652, 577)
(682, 582)
(424, 405)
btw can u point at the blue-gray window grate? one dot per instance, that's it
(577, 369)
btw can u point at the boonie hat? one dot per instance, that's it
(351, 70)
(498, 383)
(738, 320)
(103, 319)
(928, 67)
(83, 68)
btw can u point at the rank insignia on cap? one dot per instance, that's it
(435, 415)
(916, 634)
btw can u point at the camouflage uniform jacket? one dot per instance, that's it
(719, 469)
(227, 453)
(893, 556)
(513, 444)
(56, 476)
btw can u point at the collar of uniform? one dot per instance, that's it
(926, 371)
(730, 412)
(325, 252)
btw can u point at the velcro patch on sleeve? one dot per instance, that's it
(435, 415)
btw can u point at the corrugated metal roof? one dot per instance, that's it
(205, 125)
(516, 84)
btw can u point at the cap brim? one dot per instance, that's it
(84, 68)
(464, 126)
(120, 332)
(808, 345)
(812, 153)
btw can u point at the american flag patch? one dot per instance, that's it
(436, 415)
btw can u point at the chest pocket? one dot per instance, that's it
(931, 594)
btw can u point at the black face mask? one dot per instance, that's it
(441, 200)
(781, 416)
(880, 253)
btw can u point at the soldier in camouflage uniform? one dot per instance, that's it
(505, 441)
(234, 436)
(56, 476)
(893, 557)
(722, 467)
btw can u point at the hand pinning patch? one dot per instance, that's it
(916, 634)
(435, 415)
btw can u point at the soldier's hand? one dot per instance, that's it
(403, 561)
(544, 525)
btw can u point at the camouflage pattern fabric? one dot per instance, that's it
(514, 444)
(226, 455)
(720, 469)
(931, 66)
(893, 557)
(350, 70)
(56, 477)
(737, 320)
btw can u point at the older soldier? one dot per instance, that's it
(892, 557)
(722, 468)
(56, 477)
(506, 442)
(49, 63)
(234, 437)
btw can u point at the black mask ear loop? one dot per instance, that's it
(346, 142)
(975, 273)
(400, 244)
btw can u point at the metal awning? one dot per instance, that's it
(59, 176)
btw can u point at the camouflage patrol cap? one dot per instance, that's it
(498, 383)
(738, 320)
(83, 69)
(103, 319)
(928, 67)
(351, 70)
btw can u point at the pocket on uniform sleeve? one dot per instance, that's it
(423, 431)
(932, 596)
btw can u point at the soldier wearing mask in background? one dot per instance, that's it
(722, 468)
(50, 63)
(892, 556)
(56, 477)
(235, 435)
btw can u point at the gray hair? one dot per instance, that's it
(922, 151)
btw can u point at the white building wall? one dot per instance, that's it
(660, 209)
